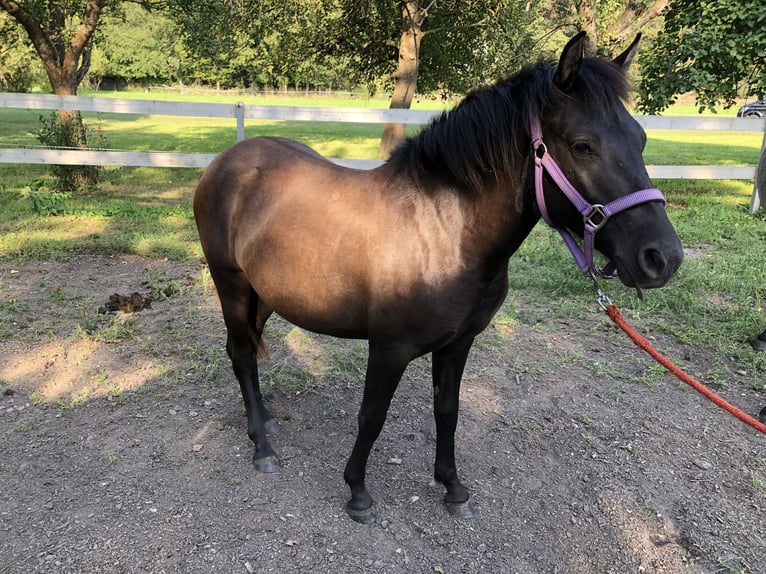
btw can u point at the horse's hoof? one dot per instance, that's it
(365, 516)
(460, 509)
(762, 415)
(267, 464)
(271, 426)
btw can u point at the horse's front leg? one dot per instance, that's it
(384, 370)
(448, 364)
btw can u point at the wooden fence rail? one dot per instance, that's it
(239, 112)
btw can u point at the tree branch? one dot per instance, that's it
(40, 40)
(630, 21)
(77, 56)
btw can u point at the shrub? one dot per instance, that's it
(45, 201)
(72, 134)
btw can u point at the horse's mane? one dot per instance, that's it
(487, 133)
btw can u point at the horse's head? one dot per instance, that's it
(589, 133)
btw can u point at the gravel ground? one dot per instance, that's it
(124, 445)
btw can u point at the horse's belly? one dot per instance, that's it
(316, 303)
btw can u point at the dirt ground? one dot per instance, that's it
(124, 446)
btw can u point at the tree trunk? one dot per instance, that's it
(406, 77)
(587, 13)
(631, 21)
(65, 65)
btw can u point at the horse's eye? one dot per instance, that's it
(582, 149)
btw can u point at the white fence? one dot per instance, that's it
(240, 112)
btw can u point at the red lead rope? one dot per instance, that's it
(616, 316)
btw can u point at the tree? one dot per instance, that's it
(135, 46)
(612, 23)
(219, 38)
(350, 43)
(62, 35)
(427, 45)
(455, 45)
(406, 76)
(715, 48)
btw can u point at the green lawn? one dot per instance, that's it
(342, 140)
(680, 147)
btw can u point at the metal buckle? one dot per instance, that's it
(603, 299)
(540, 149)
(596, 210)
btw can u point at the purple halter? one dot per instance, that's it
(594, 216)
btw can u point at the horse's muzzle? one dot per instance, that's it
(655, 265)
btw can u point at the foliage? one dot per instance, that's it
(716, 48)
(472, 43)
(44, 200)
(233, 43)
(343, 44)
(57, 134)
(347, 43)
(464, 43)
(327, 44)
(19, 65)
(136, 45)
(260, 43)
(612, 24)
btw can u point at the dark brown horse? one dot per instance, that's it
(413, 256)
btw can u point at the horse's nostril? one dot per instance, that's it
(652, 262)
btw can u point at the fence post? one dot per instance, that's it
(759, 186)
(239, 113)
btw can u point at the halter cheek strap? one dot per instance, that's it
(594, 216)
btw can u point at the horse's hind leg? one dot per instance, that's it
(244, 326)
(448, 364)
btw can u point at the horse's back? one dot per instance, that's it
(243, 181)
(236, 166)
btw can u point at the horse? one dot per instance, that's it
(413, 255)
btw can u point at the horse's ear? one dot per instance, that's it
(569, 63)
(623, 60)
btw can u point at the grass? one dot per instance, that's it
(716, 302)
(146, 211)
(680, 147)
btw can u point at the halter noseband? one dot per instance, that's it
(594, 216)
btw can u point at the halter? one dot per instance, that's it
(594, 215)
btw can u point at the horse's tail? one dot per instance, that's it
(259, 347)
(257, 344)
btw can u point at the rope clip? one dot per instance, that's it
(603, 299)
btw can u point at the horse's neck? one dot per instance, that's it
(502, 218)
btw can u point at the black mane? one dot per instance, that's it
(487, 133)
